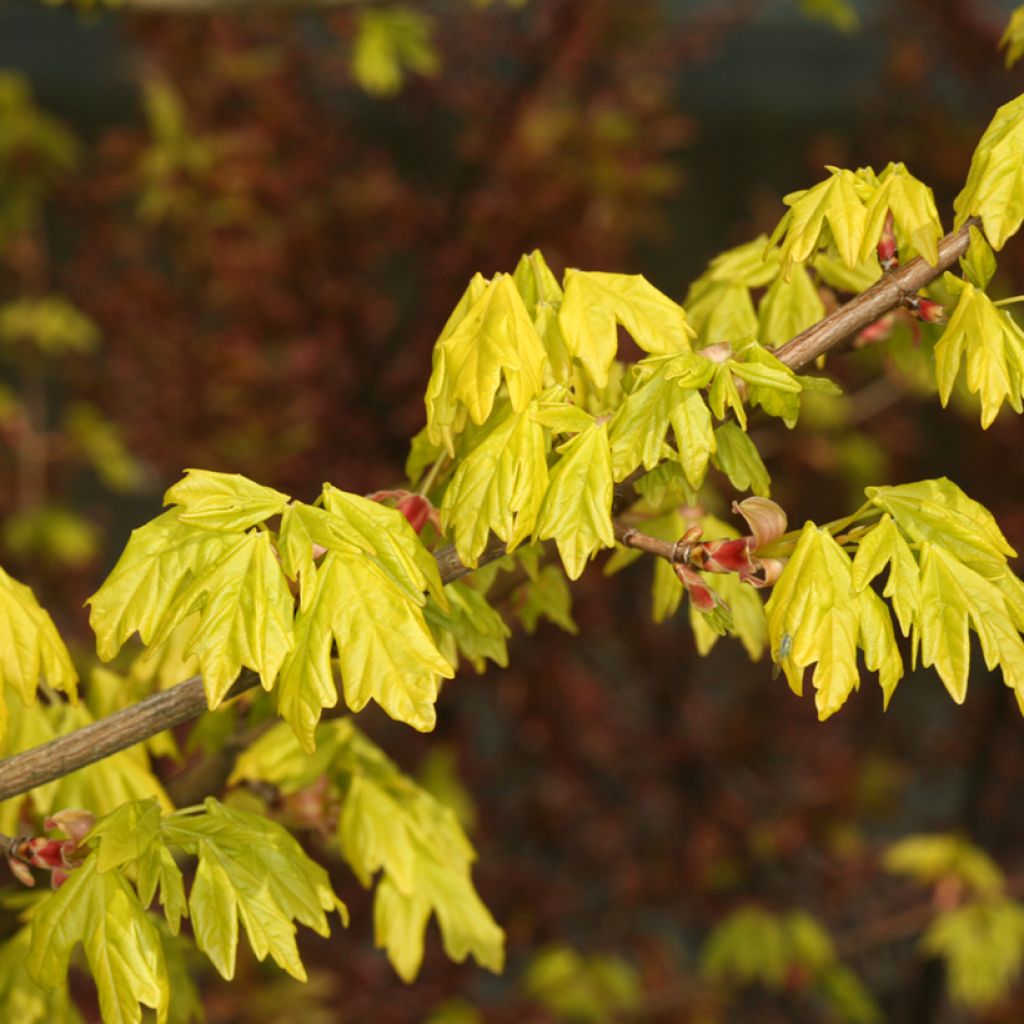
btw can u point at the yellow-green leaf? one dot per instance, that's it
(741, 462)
(122, 946)
(576, 510)
(31, 649)
(884, 545)
(814, 616)
(939, 511)
(596, 303)
(721, 311)
(994, 190)
(833, 205)
(1013, 37)
(386, 534)
(498, 487)
(223, 501)
(494, 340)
(913, 212)
(788, 307)
(993, 345)
(385, 648)
(159, 560)
(246, 615)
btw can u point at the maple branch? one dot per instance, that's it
(65, 754)
(883, 296)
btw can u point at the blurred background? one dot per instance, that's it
(230, 231)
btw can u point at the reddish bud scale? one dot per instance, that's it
(416, 509)
(887, 255)
(925, 310)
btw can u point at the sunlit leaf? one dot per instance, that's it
(994, 190)
(596, 303)
(223, 501)
(576, 511)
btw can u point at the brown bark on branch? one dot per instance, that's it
(61, 756)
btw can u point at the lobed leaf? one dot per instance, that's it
(499, 487)
(122, 947)
(833, 205)
(31, 650)
(576, 510)
(596, 303)
(994, 190)
(223, 501)
(992, 344)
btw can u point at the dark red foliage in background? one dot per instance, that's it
(276, 320)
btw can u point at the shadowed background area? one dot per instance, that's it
(258, 240)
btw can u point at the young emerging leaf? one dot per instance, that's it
(939, 511)
(477, 629)
(576, 510)
(494, 340)
(741, 462)
(788, 307)
(498, 487)
(385, 649)
(246, 615)
(596, 303)
(993, 345)
(913, 209)
(30, 650)
(1013, 37)
(834, 205)
(389, 824)
(994, 190)
(816, 615)
(159, 560)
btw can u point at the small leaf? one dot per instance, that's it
(993, 345)
(31, 649)
(495, 340)
(913, 209)
(576, 510)
(596, 303)
(498, 487)
(789, 307)
(246, 615)
(741, 462)
(939, 511)
(833, 204)
(994, 190)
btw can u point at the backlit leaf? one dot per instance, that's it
(741, 462)
(993, 345)
(223, 501)
(498, 487)
(385, 649)
(914, 214)
(246, 615)
(939, 511)
(788, 307)
(596, 303)
(833, 205)
(122, 946)
(31, 650)
(159, 560)
(495, 340)
(994, 190)
(576, 510)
